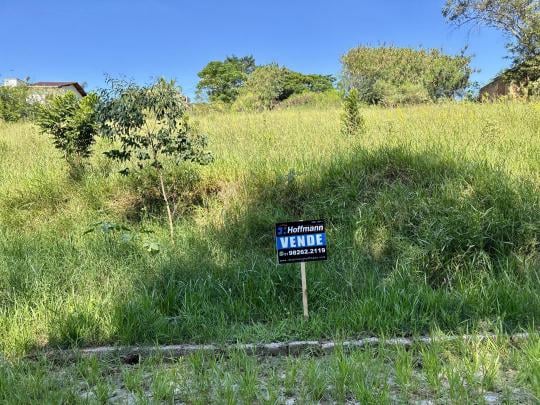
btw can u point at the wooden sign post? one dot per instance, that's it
(304, 288)
(301, 241)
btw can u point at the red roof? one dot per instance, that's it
(60, 84)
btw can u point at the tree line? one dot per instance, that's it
(382, 75)
(385, 75)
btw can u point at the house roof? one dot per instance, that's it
(495, 80)
(60, 84)
(513, 69)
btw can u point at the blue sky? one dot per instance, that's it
(61, 40)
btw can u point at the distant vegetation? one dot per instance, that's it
(271, 84)
(221, 81)
(14, 105)
(394, 76)
(384, 75)
(519, 20)
(240, 82)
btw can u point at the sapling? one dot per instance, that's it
(150, 127)
(352, 122)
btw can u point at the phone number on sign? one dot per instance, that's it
(300, 252)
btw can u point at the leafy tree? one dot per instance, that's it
(263, 89)
(270, 84)
(151, 127)
(296, 83)
(72, 123)
(518, 19)
(14, 105)
(352, 122)
(425, 72)
(221, 81)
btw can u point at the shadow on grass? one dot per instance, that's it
(416, 242)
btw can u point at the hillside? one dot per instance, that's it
(433, 217)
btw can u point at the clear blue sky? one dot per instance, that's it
(81, 40)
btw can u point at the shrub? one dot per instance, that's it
(328, 99)
(72, 124)
(408, 93)
(352, 122)
(142, 196)
(264, 88)
(270, 84)
(14, 105)
(418, 74)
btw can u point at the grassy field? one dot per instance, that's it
(433, 217)
(476, 371)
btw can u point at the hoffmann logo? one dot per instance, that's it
(282, 230)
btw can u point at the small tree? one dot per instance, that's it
(150, 125)
(72, 123)
(352, 122)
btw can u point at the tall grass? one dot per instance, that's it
(433, 217)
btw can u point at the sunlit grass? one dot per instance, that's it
(433, 222)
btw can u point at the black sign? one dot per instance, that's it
(300, 241)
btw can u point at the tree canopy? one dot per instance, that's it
(519, 19)
(271, 84)
(392, 75)
(221, 80)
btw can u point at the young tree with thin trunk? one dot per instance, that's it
(151, 128)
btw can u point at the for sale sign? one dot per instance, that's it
(300, 241)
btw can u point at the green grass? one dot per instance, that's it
(433, 224)
(474, 371)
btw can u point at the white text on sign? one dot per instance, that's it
(297, 241)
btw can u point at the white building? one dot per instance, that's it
(13, 82)
(38, 92)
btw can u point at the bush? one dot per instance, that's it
(404, 74)
(271, 84)
(72, 124)
(264, 88)
(14, 105)
(328, 99)
(352, 123)
(142, 196)
(408, 93)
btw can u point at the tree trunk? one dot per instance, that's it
(169, 214)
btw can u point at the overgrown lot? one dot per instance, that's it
(433, 217)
